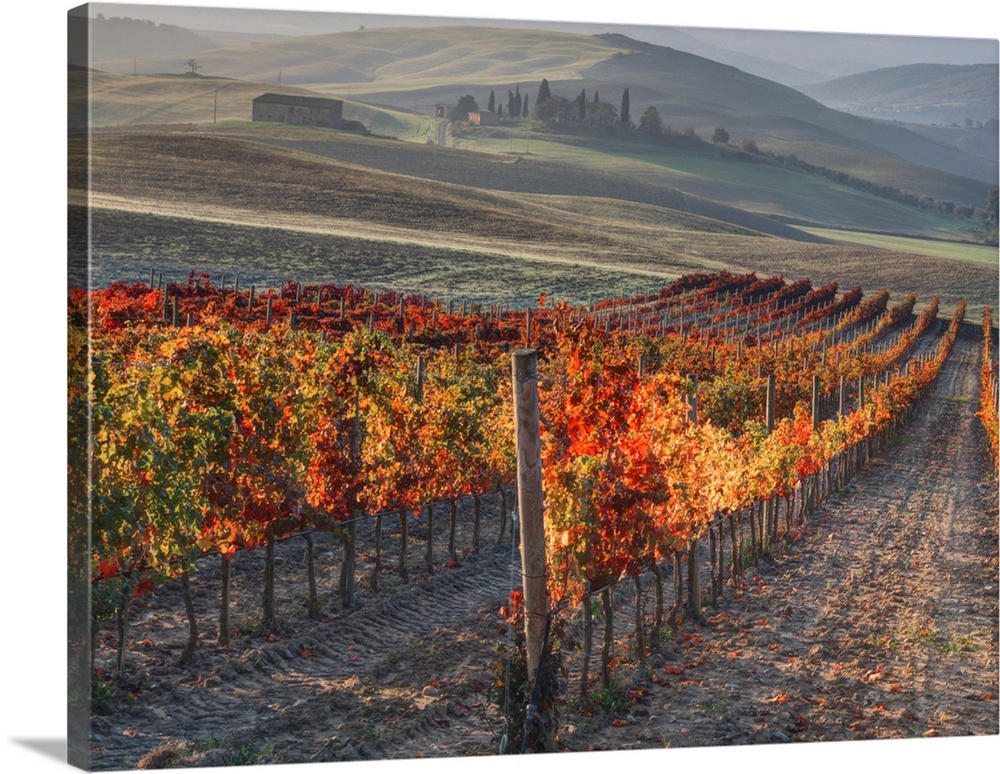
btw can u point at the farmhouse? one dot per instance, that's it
(484, 118)
(300, 111)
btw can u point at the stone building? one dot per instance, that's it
(484, 118)
(299, 111)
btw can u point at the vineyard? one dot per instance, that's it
(327, 457)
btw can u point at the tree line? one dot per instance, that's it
(548, 108)
(890, 192)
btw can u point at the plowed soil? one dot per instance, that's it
(881, 621)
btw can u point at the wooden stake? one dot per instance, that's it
(420, 378)
(693, 399)
(529, 501)
(769, 418)
(815, 402)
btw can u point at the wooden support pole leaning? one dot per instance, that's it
(528, 447)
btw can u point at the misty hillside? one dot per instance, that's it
(689, 90)
(925, 93)
(800, 58)
(413, 68)
(400, 57)
(125, 38)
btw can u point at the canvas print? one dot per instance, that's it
(451, 387)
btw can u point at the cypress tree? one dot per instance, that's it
(583, 104)
(625, 107)
(543, 93)
(492, 106)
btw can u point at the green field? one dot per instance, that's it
(984, 255)
(757, 187)
(180, 201)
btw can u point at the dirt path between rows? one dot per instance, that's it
(881, 621)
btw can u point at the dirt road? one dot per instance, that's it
(881, 621)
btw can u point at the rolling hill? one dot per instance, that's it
(414, 68)
(179, 201)
(702, 182)
(126, 38)
(487, 190)
(925, 93)
(690, 90)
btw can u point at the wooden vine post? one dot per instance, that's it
(349, 534)
(527, 442)
(694, 574)
(815, 402)
(429, 555)
(769, 416)
(767, 515)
